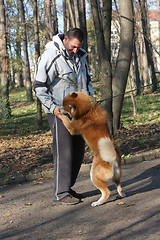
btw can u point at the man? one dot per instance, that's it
(62, 69)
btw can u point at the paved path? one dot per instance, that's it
(27, 211)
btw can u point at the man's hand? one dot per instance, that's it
(57, 113)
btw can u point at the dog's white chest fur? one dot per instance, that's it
(107, 151)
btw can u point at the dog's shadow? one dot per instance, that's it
(146, 181)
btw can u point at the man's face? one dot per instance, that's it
(71, 45)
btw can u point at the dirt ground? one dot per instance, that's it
(21, 155)
(28, 212)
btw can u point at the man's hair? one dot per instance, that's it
(75, 33)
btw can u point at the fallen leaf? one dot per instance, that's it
(28, 204)
(42, 178)
(121, 203)
(8, 214)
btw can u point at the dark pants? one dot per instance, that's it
(68, 153)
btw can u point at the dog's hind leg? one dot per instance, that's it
(119, 188)
(102, 186)
(116, 179)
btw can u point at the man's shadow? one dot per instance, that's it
(145, 182)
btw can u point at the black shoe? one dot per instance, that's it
(68, 200)
(75, 194)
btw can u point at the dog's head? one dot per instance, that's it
(77, 104)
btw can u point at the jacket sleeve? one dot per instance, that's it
(42, 81)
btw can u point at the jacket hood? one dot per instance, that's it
(56, 42)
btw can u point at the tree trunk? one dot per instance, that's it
(106, 21)
(124, 59)
(148, 44)
(136, 69)
(135, 59)
(48, 21)
(55, 19)
(4, 84)
(82, 21)
(76, 10)
(12, 68)
(104, 61)
(19, 61)
(130, 78)
(145, 72)
(71, 14)
(25, 50)
(37, 54)
(65, 15)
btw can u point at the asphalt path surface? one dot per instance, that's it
(27, 210)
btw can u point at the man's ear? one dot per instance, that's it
(73, 94)
(73, 108)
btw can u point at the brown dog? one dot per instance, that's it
(82, 116)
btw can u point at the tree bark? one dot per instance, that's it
(135, 59)
(26, 58)
(124, 59)
(55, 19)
(4, 83)
(136, 69)
(37, 54)
(19, 61)
(130, 79)
(48, 21)
(71, 14)
(65, 15)
(106, 21)
(82, 21)
(145, 72)
(104, 61)
(76, 10)
(148, 44)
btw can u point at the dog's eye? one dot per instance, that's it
(69, 117)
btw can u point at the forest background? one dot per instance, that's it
(122, 55)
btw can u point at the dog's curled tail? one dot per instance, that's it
(107, 151)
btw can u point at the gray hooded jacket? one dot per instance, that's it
(58, 74)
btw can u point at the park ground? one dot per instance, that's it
(28, 211)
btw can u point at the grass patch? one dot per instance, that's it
(23, 120)
(148, 110)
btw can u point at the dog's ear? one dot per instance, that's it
(73, 94)
(73, 108)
